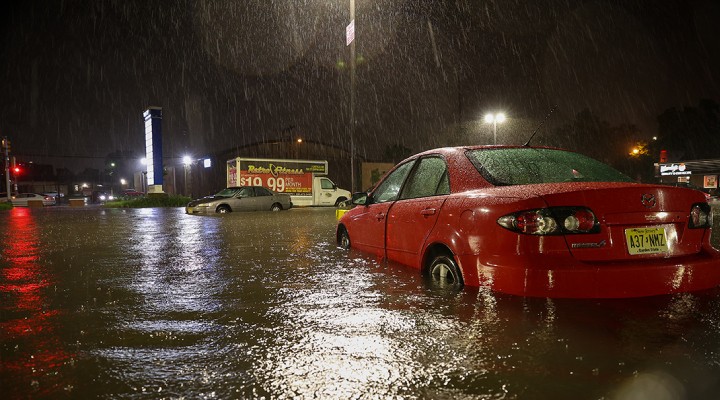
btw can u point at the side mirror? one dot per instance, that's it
(361, 199)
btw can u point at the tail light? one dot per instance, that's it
(551, 221)
(700, 216)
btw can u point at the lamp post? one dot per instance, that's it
(495, 119)
(187, 161)
(351, 39)
(143, 174)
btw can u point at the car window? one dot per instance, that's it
(246, 192)
(520, 166)
(261, 191)
(326, 184)
(229, 192)
(429, 178)
(390, 187)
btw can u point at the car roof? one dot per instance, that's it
(456, 149)
(463, 173)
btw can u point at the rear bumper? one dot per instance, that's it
(596, 280)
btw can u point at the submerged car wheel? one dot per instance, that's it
(223, 209)
(344, 239)
(444, 273)
(276, 207)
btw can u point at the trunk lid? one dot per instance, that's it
(637, 221)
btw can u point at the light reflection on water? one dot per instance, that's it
(29, 323)
(156, 303)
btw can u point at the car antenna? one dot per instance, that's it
(539, 126)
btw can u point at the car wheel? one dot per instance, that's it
(276, 207)
(341, 202)
(444, 273)
(223, 209)
(344, 238)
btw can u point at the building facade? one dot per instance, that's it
(699, 174)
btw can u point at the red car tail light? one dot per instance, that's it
(700, 216)
(551, 221)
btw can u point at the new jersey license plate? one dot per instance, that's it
(646, 240)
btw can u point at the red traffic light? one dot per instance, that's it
(17, 170)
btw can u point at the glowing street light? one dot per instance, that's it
(495, 119)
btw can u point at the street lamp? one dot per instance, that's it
(495, 119)
(350, 32)
(143, 172)
(187, 161)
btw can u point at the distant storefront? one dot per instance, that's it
(702, 174)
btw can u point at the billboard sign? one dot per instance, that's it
(294, 177)
(674, 169)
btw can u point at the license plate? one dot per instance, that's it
(646, 241)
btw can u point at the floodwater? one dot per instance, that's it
(154, 303)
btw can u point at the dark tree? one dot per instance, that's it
(690, 133)
(589, 135)
(120, 164)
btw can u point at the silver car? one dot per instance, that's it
(241, 198)
(23, 199)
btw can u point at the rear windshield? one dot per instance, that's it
(522, 166)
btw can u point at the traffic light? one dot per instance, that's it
(6, 144)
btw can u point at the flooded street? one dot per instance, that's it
(154, 303)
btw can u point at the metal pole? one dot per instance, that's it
(352, 102)
(7, 168)
(495, 130)
(185, 181)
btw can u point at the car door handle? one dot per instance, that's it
(428, 211)
(380, 216)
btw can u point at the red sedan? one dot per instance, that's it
(535, 222)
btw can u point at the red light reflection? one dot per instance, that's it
(32, 351)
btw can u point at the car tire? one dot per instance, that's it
(341, 202)
(344, 239)
(223, 209)
(276, 207)
(443, 273)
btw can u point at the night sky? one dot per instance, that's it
(76, 75)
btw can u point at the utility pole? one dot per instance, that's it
(6, 151)
(350, 32)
